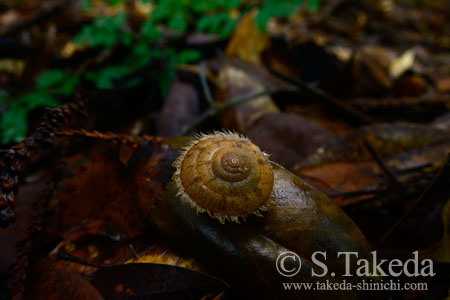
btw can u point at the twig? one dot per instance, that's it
(382, 166)
(347, 109)
(414, 205)
(215, 109)
(122, 138)
(204, 83)
(418, 168)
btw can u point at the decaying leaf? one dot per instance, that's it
(348, 165)
(248, 41)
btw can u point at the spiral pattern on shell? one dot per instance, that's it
(225, 175)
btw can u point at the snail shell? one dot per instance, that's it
(225, 175)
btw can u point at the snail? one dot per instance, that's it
(227, 205)
(225, 175)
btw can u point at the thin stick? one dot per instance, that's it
(215, 109)
(204, 83)
(382, 166)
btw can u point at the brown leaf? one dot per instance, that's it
(95, 191)
(248, 41)
(180, 109)
(347, 165)
(386, 139)
(233, 81)
(287, 137)
(54, 280)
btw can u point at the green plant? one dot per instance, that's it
(13, 122)
(106, 32)
(143, 46)
(281, 8)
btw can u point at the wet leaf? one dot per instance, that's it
(14, 124)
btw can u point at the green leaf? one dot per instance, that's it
(230, 4)
(150, 31)
(178, 23)
(314, 5)
(188, 56)
(161, 11)
(86, 4)
(104, 78)
(57, 81)
(105, 32)
(228, 27)
(209, 24)
(50, 78)
(205, 6)
(276, 8)
(39, 98)
(115, 2)
(13, 123)
(68, 85)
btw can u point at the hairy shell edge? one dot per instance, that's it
(229, 208)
